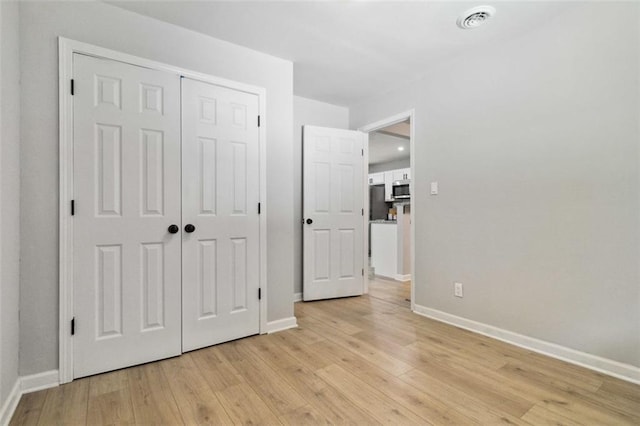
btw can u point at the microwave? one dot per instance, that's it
(401, 189)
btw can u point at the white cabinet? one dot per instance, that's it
(384, 249)
(387, 178)
(388, 185)
(376, 179)
(402, 174)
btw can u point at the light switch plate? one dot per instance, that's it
(434, 188)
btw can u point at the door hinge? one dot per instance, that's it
(259, 294)
(362, 212)
(258, 121)
(73, 326)
(73, 207)
(363, 272)
(362, 152)
(259, 208)
(72, 87)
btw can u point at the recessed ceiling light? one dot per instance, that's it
(401, 148)
(475, 17)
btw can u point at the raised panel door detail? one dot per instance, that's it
(323, 144)
(208, 278)
(239, 273)
(152, 146)
(109, 170)
(347, 251)
(208, 110)
(239, 176)
(239, 116)
(152, 286)
(322, 176)
(208, 177)
(151, 99)
(322, 254)
(345, 188)
(107, 91)
(108, 291)
(346, 145)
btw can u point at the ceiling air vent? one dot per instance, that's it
(475, 17)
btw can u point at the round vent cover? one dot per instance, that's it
(475, 17)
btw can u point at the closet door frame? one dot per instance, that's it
(66, 49)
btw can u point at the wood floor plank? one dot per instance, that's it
(332, 404)
(29, 409)
(245, 406)
(368, 398)
(151, 396)
(360, 360)
(215, 369)
(66, 404)
(272, 388)
(473, 406)
(197, 403)
(110, 399)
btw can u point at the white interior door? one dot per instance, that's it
(333, 213)
(127, 194)
(220, 151)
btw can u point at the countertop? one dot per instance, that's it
(385, 221)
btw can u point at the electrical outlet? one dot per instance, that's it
(457, 290)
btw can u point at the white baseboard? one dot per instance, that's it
(36, 382)
(297, 297)
(403, 278)
(610, 367)
(9, 406)
(282, 324)
(26, 384)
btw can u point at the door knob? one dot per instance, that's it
(189, 228)
(173, 229)
(309, 221)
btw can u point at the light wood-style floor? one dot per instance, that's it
(362, 360)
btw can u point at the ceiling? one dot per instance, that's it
(344, 52)
(384, 143)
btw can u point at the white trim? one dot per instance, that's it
(36, 382)
(10, 405)
(282, 324)
(411, 115)
(297, 297)
(610, 367)
(66, 49)
(403, 278)
(23, 385)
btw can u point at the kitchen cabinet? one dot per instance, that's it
(388, 185)
(376, 178)
(402, 174)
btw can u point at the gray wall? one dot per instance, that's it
(9, 196)
(534, 142)
(111, 27)
(390, 165)
(313, 113)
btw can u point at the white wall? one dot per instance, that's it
(535, 144)
(313, 113)
(9, 196)
(403, 163)
(111, 27)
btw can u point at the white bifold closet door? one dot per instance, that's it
(221, 183)
(127, 193)
(166, 225)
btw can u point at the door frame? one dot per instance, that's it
(372, 127)
(66, 49)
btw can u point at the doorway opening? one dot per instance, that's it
(390, 236)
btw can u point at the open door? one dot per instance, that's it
(333, 213)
